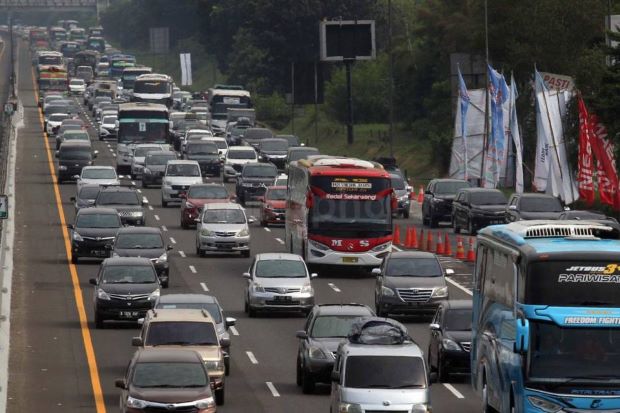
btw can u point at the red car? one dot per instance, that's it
(199, 195)
(273, 206)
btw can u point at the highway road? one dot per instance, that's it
(60, 362)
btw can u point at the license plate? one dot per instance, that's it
(129, 314)
(283, 298)
(349, 260)
(100, 253)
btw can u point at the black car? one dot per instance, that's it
(529, 206)
(596, 216)
(326, 327)
(274, 151)
(86, 196)
(147, 242)
(475, 208)
(125, 289)
(254, 180)
(126, 201)
(206, 154)
(438, 197)
(292, 140)
(93, 233)
(448, 350)
(253, 136)
(72, 157)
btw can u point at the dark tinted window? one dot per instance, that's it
(74, 153)
(398, 183)
(183, 170)
(388, 372)
(129, 274)
(332, 326)
(212, 308)
(202, 149)
(413, 267)
(89, 192)
(274, 145)
(531, 204)
(159, 159)
(280, 268)
(180, 333)
(224, 216)
(163, 375)
(208, 192)
(98, 221)
(249, 154)
(265, 171)
(118, 198)
(138, 241)
(449, 187)
(488, 198)
(457, 320)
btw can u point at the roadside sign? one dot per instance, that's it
(4, 206)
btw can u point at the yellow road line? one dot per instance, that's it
(77, 291)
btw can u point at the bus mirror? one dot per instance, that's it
(309, 201)
(523, 335)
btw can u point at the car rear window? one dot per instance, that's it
(129, 274)
(212, 308)
(488, 198)
(388, 372)
(181, 333)
(332, 326)
(458, 319)
(541, 204)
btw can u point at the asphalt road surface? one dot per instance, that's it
(61, 363)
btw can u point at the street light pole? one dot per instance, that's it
(391, 88)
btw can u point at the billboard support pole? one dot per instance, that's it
(292, 98)
(316, 106)
(348, 63)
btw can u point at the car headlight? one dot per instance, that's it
(349, 408)
(147, 171)
(544, 405)
(316, 352)
(77, 237)
(137, 213)
(318, 245)
(307, 288)
(135, 403)
(62, 168)
(258, 288)
(154, 295)
(214, 365)
(205, 403)
(102, 295)
(404, 198)
(388, 292)
(189, 205)
(420, 408)
(450, 345)
(243, 233)
(382, 247)
(162, 258)
(206, 232)
(440, 292)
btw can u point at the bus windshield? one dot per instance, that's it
(151, 87)
(142, 132)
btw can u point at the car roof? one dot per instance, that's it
(151, 153)
(449, 180)
(99, 167)
(223, 205)
(406, 350)
(179, 314)
(285, 256)
(127, 261)
(116, 188)
(343, 309)
(187, 298)
(76, 144)
(139, 230)
(411, 254)
(241, 148)
(480, 190)
(157, 355)
(97, 211)
(182, 162)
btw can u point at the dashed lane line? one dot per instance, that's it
(151, 207)
(182, 254)
(173, 240)
(454, 391)
(333, 287)
(251, 357)
(164, 228)
(280, 241)
(459, 286)
(156, 217)
(234, 331)
(267, 229)
(204, 287)
(192, 269)
(272, 389)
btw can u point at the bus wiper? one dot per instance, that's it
(592, 302)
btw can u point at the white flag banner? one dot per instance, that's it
(516, 137)
(186, 69)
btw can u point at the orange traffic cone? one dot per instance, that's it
(440, 247)
(471, 254)
(396, 235)
(422, 243)
(460, 251)
(429, 242)
(421, 195)
(408, 237)
(447, 246)
(414, 238)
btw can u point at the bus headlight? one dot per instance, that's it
(349, 408)
(440, 292)
(318, 245)
(544, 405)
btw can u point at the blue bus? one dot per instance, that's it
(119, 62)
(546, 317)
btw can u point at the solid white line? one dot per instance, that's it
(173, 240)
(267, 229)
(192, 269)
(182, 254)
(333, 286)
(156, 217)
(234, 331)
(280, 241)
(204, 287)
(272, 389)
(150, 207)
(251, 357)
(163, 228)
(454, 391)
(459, 286)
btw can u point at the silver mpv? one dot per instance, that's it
(223, 227)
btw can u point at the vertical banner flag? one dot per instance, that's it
(464, 101)
(498, 95)
(516, 136)
(585, 165)
(186, 69)
(607, 174)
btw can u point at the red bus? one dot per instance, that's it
(339, 211)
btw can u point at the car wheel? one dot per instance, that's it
(307, 383)
(219, 397)
(245, 254)
(74, 259)
(164, 204)
(455, 226)
(98, 320)
(251, 311)
(442, 373)
(486, 408)
(246, 307)
(381, 313)
(470, 227)
(227, 366)
(299, 372)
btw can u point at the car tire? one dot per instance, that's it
(298, 378)
(227, 366)
(442, 373)
(219, 397)
(307, 383)
(133, 176)
(455, 226)
(470, 227)
(251, 311)
(381, 313)
(433, 222)
(406, 214)
(198, 251)
(98, 321)
(59, 181)
(164, 204)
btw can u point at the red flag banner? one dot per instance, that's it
(585, 171)
(607, 174)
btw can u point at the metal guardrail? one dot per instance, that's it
(28, 4)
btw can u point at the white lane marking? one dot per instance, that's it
(173, 240)
(251, 357)
(150, 207)
(234, 331)
(252, 216)
(192, 269)
(156, 217)
(133, 183)
(204, 287)
(454, 391)
(267, 229)
(114, 155)
(163, 228)
(280, 241)
(459, 286)
(333, 286)
(182, 254)
(272, 389)
(111, 150)
(139, 191)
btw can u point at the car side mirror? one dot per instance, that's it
(76, 176)
(56, 154)
(230, 321)
(301, 334)
(72, 199)
(137, 342)
(225, 342)
(246, 275)
(169, 247)
(434, 326)
(376, 272)
(314, 275)
(140, 321)
(93, 281)
(197, 220)
(120, 383)
(449, 271)
(335, 376)
(251, 220)
(512, 207)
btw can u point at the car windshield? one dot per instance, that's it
(413, 267)
(109, 120)
(213, 309)
(224, 216)
(58, 117)
(77, 82)
(450, 187)
(202, 149)
(260, 171)
(159, 159)
(458, 319)
(118, 198)
(303, 154)
(274, 145)
(221, 144)
(98, 173)
(183, 170)
(388, 372)
(129, 274)
(398, 183)
(249, 154)
(276, 194)
(332, 326)
(184, 333)
(89, 192)
(488, 198)
(164, 375)
(75, 135)
(141, 151)
(543, 204)
(208, 192)
(98, 221)
(280, 269)
(138, 241)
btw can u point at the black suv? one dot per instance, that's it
(438, 197)
(253, 136)
(448, 350)
(206, 154)
(533, 206)
(274, 151)
(72, 157)
(126, 201)
(326, 327)
(475, 208)
(125, 289)
(254, 180)
(93, 233)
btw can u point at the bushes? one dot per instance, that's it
(273, 110)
